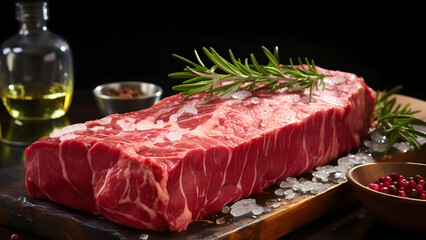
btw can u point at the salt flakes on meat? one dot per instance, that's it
(68, 129)
(187, 108)
(105, 120)
(126, 126)
(241, 95)
(67, 136)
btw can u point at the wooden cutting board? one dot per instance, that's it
(54, 221)
(47, 219)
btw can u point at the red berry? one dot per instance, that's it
(397, 184)
(387, 179)
(384, 190)
(401, 194)
(374, 186)
(14, 237)
(411, 184)
(418, 177)
(419, 188)
(394, 176)
(403, 183)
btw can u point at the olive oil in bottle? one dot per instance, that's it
(36, 101)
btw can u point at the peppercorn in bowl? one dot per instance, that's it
(393, 192)
(128, 96)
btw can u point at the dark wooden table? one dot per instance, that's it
(351, 222)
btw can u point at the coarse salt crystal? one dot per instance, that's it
(68, 129)
(241, 95)
(244, 202)
(187, 108)
(245, 206)
(67, 136)
(105, 120)
(126, 126)
(257, 210)
(144, 236)
(279, 192)
(255, 100)
(226, 209)
(190, 108)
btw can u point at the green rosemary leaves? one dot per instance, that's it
(237, 75)
(394, 122)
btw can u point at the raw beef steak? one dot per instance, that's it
(162, 167)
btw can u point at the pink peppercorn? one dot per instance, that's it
(397, 184)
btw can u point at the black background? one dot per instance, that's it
(128, 40)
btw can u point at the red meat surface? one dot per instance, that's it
(160, 168)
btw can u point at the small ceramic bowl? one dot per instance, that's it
(108, 105)
(401, 213)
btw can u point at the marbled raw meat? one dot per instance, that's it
(162, 167)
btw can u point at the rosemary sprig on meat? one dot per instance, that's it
(394, 122)
(237, 75)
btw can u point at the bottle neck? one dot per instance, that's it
(32, 16)
(32, 27)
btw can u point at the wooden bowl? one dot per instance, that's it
(401, 213)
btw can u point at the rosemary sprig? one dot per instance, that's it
(237, 75)
(394, 122)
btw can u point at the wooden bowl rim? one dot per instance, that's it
(355, 183)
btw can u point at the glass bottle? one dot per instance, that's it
(37, 73)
